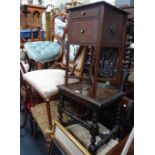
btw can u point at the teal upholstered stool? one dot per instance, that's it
(42, 51)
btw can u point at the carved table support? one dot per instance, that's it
(61, 108)
(93, 132)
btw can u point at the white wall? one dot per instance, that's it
(55, 2)
(59, 2)
(109, 1)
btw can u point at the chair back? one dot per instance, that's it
(22, 71)
(55, 37)
(77, 65)
(77, 53)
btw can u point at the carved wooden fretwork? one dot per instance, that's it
(107, 63)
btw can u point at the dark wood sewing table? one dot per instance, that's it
(103, 27)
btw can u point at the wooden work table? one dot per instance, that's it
(102, 27)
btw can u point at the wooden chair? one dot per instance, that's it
(41, 52)
(44, 83)
(75, 65)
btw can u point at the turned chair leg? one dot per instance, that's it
(49, 113)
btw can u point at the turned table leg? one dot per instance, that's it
(94, 130)
(61, 108)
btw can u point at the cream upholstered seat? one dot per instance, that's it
(45, 81)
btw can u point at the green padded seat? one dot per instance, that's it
(42, 51)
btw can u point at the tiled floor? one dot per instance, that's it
(30, 145)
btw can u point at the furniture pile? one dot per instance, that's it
(84, 105)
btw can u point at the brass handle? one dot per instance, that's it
(82, 31)
(83, 13)
(113, 29)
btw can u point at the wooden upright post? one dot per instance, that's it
(48, 25)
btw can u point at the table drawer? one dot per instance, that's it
(86, 12)
(84, 31)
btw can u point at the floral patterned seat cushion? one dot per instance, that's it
(42, 51)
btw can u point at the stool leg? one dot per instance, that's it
(61, 109)
(94, 130)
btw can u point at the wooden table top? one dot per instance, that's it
(83, 93)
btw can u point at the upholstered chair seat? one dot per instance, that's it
(43, 51)
(45, 81)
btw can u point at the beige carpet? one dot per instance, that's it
(40, 115)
